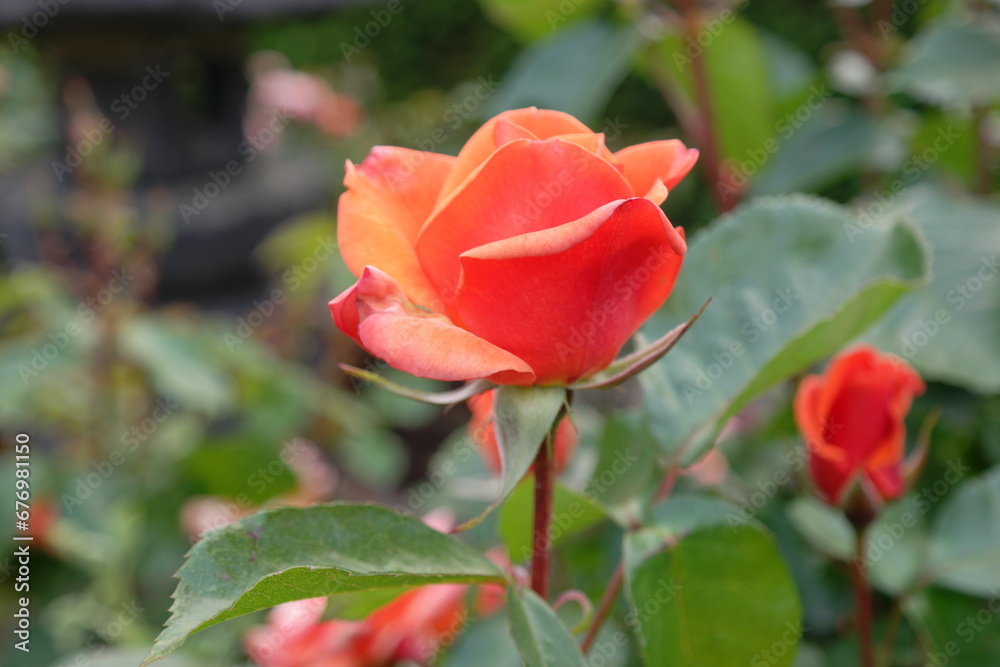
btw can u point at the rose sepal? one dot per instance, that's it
(638, 361)
(913, 467)
(466, 391)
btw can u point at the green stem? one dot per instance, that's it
(892, 626)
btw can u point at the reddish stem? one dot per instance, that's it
(982, 153)
(703, 99)
(863, 603)
(668, 482)
(604, 607)
(541, 555)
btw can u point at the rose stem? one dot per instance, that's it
(604, 607)
(541, 544)
(863, 602)
(615, 585)
(692, 20)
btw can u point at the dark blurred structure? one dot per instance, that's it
(169, 76)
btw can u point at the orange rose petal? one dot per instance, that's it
(901, 385)
(389, 197)
(417, 341)
(541, 123)
(811, 420)
(504, 131)
(526, 186)
(412, 626)
(566, 299)
(888, 481)
(665, 161)
(591, 141)
(658, 193)
(344, 310)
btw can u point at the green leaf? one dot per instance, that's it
(541, 638)
(951, 64)
(788, 288)
(486, 643)
(824, 527)
(534, 19)
(835, 141)
(949, 328)
(523, 417)
(625, 476)
(791, 69)
(896, 546)
(294, 553)
(575, 71)
(239, 466)
(965, 538)
(738, 79)
(958, 630)
(177, 365)
(682, 514)
(572, 513)
(719, 596)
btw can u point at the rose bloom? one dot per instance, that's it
(852, 420)
(483, 433)
(530, 258)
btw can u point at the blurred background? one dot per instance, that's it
(169, 171)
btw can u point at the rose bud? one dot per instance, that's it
(852, 419)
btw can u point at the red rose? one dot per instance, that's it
(530, 258)
(852, 419)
